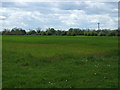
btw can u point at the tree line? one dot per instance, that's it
(70, 32)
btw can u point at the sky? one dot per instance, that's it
(62, 14)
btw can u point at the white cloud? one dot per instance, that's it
(116, 9)
(2, 17)
(57, 0)
(59, 15)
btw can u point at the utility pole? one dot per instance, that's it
(98, 26)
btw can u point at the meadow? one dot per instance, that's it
(33, 61)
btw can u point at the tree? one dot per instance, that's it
(23, 32)
(42, 33)
(70, 32)
(6, 32)
(102, 33)
(58, 32)
(112, 33)
(50, 31)
(38, 31)
(32, 32)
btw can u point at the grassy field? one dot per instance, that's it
(60, 62)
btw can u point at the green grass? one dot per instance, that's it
(60, 62)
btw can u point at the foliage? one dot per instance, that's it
(14, 31)
(70, 32)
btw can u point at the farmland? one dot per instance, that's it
(33, 61)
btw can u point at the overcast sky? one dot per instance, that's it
(59, 15)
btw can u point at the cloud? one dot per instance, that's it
(2, 17)
(58, 0)
(60, 15)
(82, 20)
